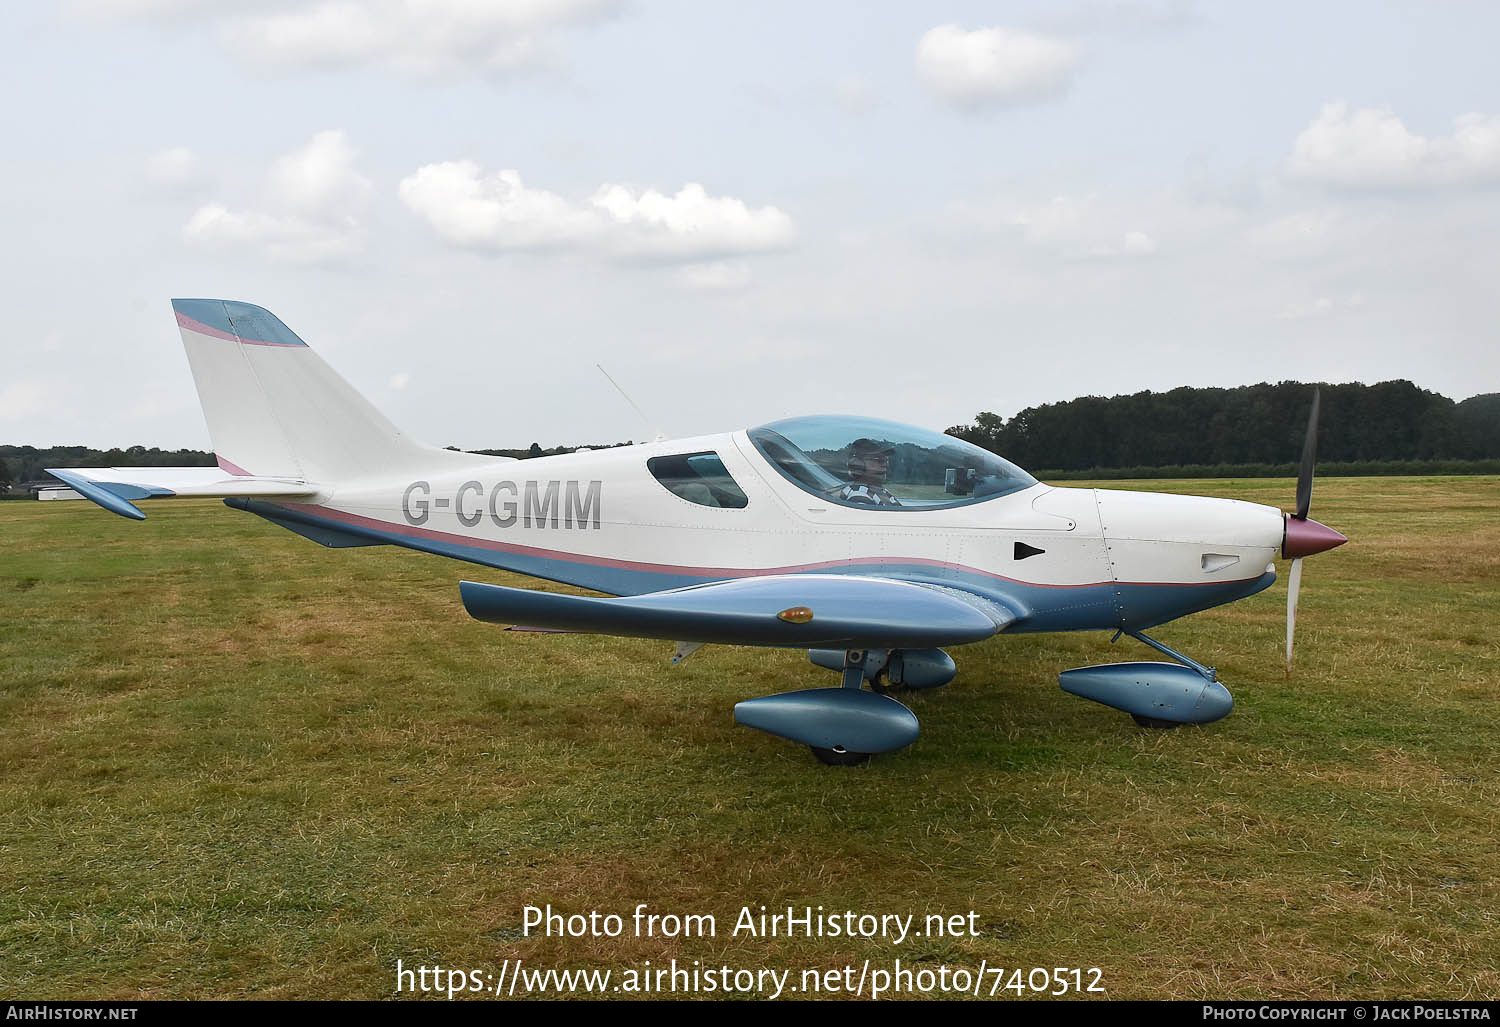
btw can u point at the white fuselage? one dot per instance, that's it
(601, 520)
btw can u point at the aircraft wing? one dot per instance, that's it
(117, 488)
(803, 611)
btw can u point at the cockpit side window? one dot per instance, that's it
(699, 478)
(874, 464)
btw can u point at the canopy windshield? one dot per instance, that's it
(866, 462)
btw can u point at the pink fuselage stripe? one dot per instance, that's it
(359, 520)
(235, 469)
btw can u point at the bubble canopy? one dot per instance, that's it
(871, 463)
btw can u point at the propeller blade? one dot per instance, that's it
(1309, 458)
(1294, 585)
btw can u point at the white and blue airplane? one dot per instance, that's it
(867, 543)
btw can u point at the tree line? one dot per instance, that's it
(1253, 424)
(24, 464)
(1373, 429)
(21, 464)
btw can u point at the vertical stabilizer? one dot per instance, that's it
(274, 408)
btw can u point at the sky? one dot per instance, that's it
(742, 211)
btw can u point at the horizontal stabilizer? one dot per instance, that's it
(117, 489)
(805, 611)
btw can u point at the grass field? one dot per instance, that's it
(237, 764)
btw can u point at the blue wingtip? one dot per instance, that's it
(102, 496)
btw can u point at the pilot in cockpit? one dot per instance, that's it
(869, 465)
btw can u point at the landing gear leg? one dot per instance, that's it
(854, 677)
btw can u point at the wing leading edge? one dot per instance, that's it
(804, 611)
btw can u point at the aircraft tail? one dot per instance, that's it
(275, 409)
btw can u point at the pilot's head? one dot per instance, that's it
(869, 462)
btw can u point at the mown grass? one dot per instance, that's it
(237, 764)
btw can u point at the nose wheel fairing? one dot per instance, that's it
(1151, 691)
(1155, 694)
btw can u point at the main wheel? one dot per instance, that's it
(839, 757)
(1153, 722)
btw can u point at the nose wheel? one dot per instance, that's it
(839, 756)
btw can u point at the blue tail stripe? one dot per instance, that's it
(245, 321)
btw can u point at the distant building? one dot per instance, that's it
(47, 488)
(31, 488)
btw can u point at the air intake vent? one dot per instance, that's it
(1218, 561)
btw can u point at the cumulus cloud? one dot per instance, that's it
(993, 65)
(284, 239)
(468, 208)
(319, 180)
(1373, 149)
(313, 210)
(689, 225)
